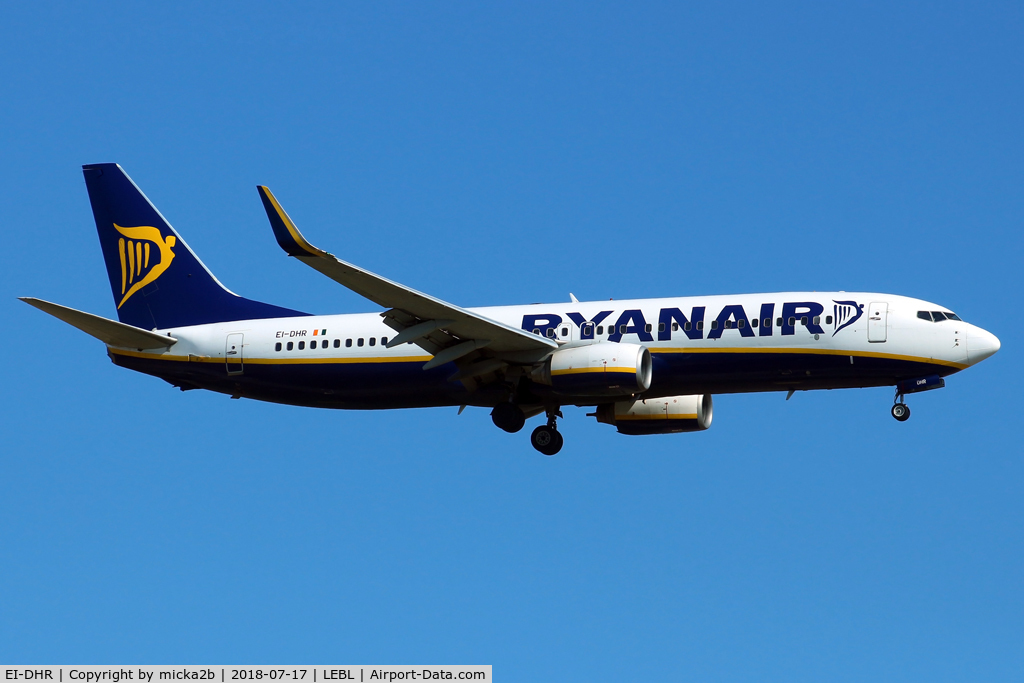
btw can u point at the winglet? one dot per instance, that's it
(288, 236)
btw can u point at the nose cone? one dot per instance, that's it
(980, 345)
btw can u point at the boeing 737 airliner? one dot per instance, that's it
(646, 366)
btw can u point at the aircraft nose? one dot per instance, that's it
(980, 344)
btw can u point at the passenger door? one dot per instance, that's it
(233, 353)
(878, 314)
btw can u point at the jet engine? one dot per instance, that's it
(667, 415)
(602, 369)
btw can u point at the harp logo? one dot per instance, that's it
(847, 313)
(145, 255)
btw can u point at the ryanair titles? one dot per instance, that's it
(809, 314)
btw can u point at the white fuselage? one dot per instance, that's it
(749, 342)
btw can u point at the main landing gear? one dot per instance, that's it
(508, 416)
(511, 418)
(546, 438)
(900, 410)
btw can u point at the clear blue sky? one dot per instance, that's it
(508, 153)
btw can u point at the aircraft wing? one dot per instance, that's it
(110, 332)
(443, 329)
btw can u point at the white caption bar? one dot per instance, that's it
(249, 674)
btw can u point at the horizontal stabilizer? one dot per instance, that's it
(110, 332)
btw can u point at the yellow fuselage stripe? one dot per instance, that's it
(272, 361)
(422, 359)
(819, 352)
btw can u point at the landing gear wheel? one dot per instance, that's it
(508, 416)
(901, 411)
(546, 439)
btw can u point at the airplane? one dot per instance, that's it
(645, 366)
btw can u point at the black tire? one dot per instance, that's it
(546, 439)
(508, 416)
(556, 445)
(901, 412)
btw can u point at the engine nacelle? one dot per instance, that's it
(602, 369)
(667, 415)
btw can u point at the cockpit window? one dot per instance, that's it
(938, 316)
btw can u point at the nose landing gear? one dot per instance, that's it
(900, 410)
(546, 438)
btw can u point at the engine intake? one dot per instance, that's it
(602, 369)
(667, 415)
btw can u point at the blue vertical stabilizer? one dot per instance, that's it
(156, 280)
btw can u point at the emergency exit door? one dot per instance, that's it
(878, 314)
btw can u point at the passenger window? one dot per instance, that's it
(359, 342)
(817, 320)
(348, 343)
(728, 324)
(714, 324)
(686, 326)
(302, 345)
(337, 343)
(803, 320)
(647, 327)
(551, 333)
(938, 316)
(565, 331)
(600, 329)
(753, 323)
(536, 330)
(312, 344)
(622, 329)
(767, 322)
(661, 327)
(700, 324)
(373, 341)
(588, 330)
(740, 324)
(828, 320)
(290, 346)
(675, 326)
(383, 341)
(277, 346)
(792, 321)
(924, 315)
(778, 322)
